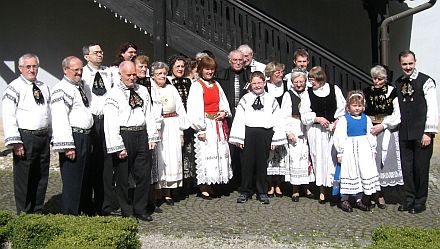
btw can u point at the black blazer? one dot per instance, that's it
(226, 79)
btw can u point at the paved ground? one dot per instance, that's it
(222, 223)
(197, 223)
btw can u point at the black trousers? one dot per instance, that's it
(415, 169)
(31, 173)
(100, 183)
(72, 175)
(254, 160)
(133, 172)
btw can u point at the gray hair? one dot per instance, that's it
(233, 52)
(66, 61)
(378, 71)
(27, 56)
(158, 65)
(297, 73)
(245, 48)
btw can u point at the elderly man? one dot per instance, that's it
(249, 62)
(98, 80)
(419, 121)
(71, 134)
(130, 134)
(26, 124)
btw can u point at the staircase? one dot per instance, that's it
(222, 25)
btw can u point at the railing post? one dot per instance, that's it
(159, 29)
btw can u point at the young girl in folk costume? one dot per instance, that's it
(298, 167)
(256, 130)
(207, 109)
(356, 148)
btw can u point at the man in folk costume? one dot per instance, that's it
(417, 96)
(26, 124)
(98, 79)
(71, 134)
(130, 134)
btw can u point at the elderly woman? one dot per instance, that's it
(207, 112)
(173, 116)
(298, 167)
(276, 86)
(383, 108)
(321, 106)
(183, 84)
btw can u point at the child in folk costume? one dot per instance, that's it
(356, 149)
(255, 130)
(298, 166)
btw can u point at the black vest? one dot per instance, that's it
(295, 102)
(413, 108)
(279, 98)
(324, 106)
(182, 85)
(377, 102)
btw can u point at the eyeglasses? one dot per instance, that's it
(236, 60)
(378, 78)
(160, 73)
(29, 67)
(96, 52)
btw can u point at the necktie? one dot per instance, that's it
(257, 104)
(98, 85)
(135, 100)
(83, 96)
(38, 96)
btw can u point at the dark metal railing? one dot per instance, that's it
(229, 23)
(226, 24)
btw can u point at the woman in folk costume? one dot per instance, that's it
(321, 106)
(382, 106)
(276, 168)
(183, 84)
(174, 122)
(356, 148)
(207, 112)
(298, 166)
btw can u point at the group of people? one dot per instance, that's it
(136, 132)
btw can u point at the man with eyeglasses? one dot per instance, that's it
(233, 81)
(249, 61)
(26, 124)
(72, 125)
(98, 79)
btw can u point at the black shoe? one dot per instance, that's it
(360, 205)
(143, 217)
(346, 207)
(279, 195)
(417, 209)
(263, 198)
(169, 202)
(158, 209)
(405, 207)
(111, 213)
(310, 196)
(295, 198)
(243, 198)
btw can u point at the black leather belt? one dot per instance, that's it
(40, 132)
(80, 130)
(133, 128)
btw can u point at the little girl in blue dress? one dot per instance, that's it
(356, 149)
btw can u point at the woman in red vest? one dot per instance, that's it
(208, 109)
